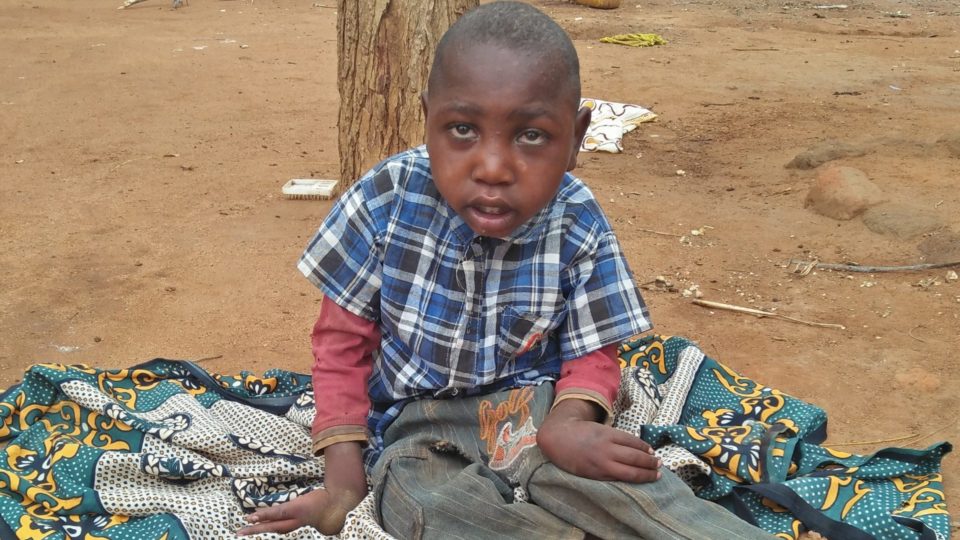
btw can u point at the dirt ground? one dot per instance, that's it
(144, 149)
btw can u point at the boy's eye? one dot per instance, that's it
(532, 136)
(462, 131)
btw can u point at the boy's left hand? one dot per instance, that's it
(573, 440)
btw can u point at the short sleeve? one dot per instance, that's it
(344, 257)
(604, 306)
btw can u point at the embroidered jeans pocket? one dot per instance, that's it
(522, 332)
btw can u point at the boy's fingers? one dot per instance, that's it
(281, 526)
(270, 513)
(625, 439)
(634, 475)
(635, 458)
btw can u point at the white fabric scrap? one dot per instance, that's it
(609, 122)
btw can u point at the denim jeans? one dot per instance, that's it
(450, 468)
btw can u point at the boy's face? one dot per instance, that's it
(502, 129)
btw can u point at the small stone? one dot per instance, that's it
(96, 339)
(693, 290)
(843, 193)
(926, 283)
(951, 276)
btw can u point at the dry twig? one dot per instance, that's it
(915, 438)
(760, 313)
(805, 267)
(651, 231)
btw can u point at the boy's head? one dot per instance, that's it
(503, 118)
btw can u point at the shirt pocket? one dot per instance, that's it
(523, 332)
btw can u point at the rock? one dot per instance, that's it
(823, 152)
(941, 247)
(693, 290)
(951, 141)
(901, 220)
(843, 193)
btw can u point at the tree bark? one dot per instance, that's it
(384, 51)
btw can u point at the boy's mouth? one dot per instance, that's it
(489, 206)
(490, 219)
(492, 210)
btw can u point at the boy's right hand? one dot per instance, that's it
(345, 485)
(572, 439)
(325, 510)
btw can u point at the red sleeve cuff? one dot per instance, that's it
(338, 434)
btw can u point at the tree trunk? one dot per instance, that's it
(384, 51)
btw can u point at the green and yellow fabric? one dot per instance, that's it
(762, 451)
(166, 450)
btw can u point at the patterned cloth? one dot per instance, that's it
(166, 450)
(609, 122)
(163, 450)
(460, 313)
(761, 449)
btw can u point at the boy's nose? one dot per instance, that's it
(494, 165)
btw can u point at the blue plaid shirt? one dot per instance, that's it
(461, 314)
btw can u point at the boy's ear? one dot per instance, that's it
(581, 123)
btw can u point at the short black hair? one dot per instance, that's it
(515, 26)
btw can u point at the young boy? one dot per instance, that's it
(460, 282)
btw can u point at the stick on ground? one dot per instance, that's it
(760, 313)
(804, 267)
